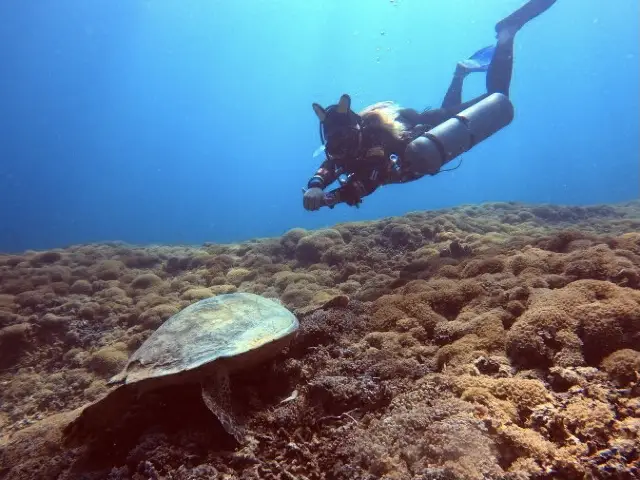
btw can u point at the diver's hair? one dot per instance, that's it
(385, 115)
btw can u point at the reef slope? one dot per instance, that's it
(491, 341)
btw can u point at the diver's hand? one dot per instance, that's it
(313, 199)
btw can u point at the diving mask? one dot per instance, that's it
(340, 129)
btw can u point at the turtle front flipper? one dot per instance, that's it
(216, 394)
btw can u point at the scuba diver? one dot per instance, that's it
(386, 144)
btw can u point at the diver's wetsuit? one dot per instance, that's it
(374, 167)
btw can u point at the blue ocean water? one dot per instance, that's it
(191, 121)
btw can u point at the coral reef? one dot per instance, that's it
(485, 341)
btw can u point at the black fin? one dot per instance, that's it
(527, 12)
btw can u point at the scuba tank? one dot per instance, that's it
(438, 146)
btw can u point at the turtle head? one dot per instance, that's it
(118, 379)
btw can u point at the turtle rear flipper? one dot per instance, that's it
(216, 394)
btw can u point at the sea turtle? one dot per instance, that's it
(202, 344)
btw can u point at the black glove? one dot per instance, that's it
(313, 199)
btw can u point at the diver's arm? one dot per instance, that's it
(351, 192)
(378, 170)
(324, 176)
(364, 182)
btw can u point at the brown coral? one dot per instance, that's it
(623, 366)
(493, 341)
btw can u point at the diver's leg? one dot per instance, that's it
(501, 66)
(478, 62)
(453, 97)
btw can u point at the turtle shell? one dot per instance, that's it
(226, 326)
